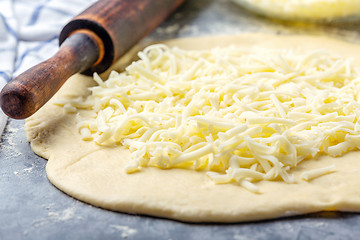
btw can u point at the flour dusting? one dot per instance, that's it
(11, 139)
(56, 217)
(24, 171)
(62, 215)
(168, 29)
(125, 230)
(240, 237)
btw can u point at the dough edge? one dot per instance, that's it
(79, 169)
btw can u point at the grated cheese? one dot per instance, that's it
(241, 115)
(304, 9)
(311, 174)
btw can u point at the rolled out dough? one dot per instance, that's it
(95, 174)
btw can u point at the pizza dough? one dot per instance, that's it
(95, 174)
(313, 10)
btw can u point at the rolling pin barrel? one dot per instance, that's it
(119, 24)
(89, 43)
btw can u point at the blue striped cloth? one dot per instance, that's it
(29, 34)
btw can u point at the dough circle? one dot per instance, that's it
(95, 174)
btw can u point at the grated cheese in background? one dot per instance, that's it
(241, 115)
(327, 10)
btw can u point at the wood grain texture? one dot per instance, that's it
(91, 42)
(120, 24)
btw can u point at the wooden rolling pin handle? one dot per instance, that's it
(25, 94)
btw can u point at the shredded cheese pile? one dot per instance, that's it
(304, 9)
(241, 115)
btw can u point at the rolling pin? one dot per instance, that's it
(89, 43)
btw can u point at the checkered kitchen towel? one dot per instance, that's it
(29, 32)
